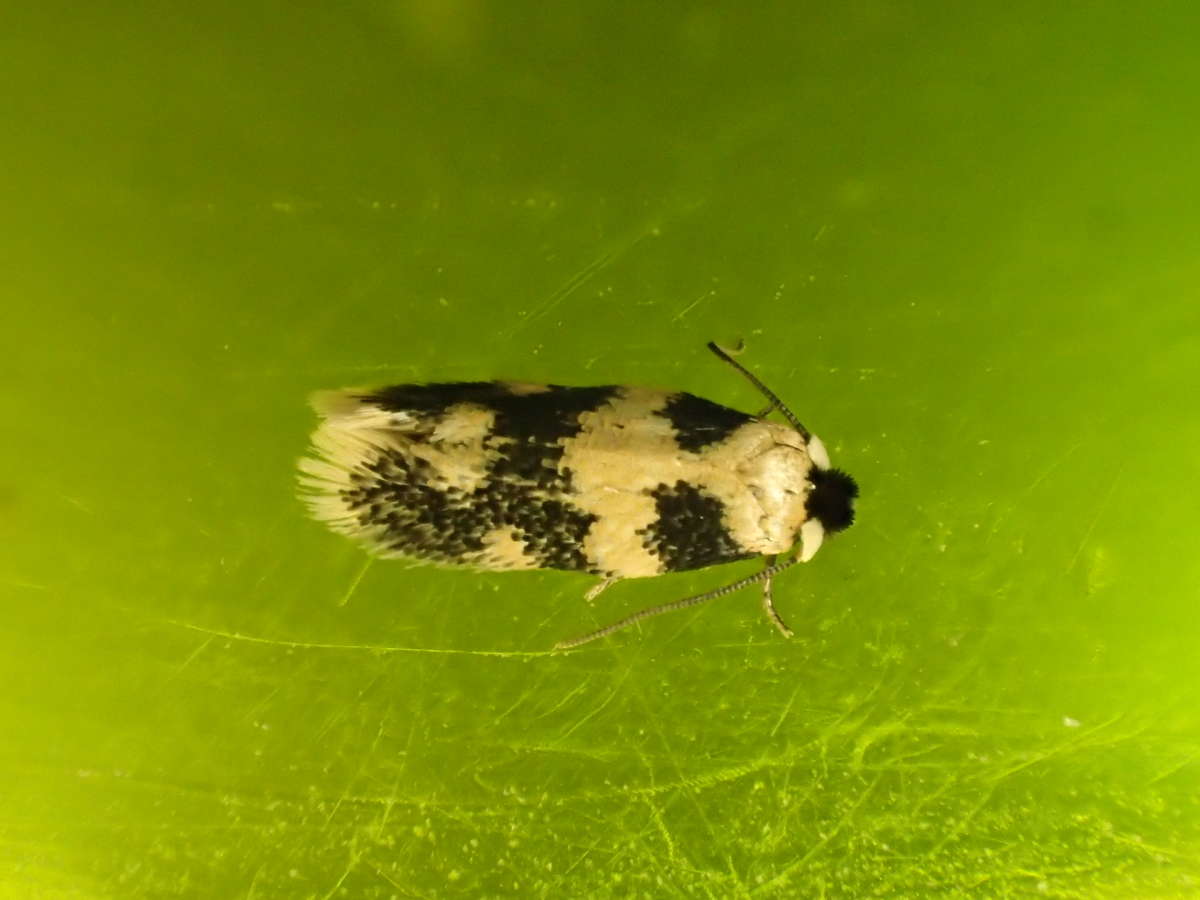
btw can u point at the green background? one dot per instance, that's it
(960, 240)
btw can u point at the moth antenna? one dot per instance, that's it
(776, 403)
(651, 611)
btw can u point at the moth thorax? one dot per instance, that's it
(778, 479)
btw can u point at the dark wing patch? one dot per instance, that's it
(699, 422)
(420, 520)
(525, 489)
(552, 530)
(531, 430)
(690, 531)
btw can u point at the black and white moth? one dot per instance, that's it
(617, 481)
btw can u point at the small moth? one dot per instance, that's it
(617, 481)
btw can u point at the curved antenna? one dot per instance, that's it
(651, 611)
(766, 391)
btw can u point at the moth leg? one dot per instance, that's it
(686, 603)
(597, 589)
(769, 605)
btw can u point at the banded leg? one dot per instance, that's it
(769, 604)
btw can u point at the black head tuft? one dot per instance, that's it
(831, 500)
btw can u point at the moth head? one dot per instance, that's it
(830, 502)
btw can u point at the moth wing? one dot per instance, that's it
(461, 474)
(651, 468)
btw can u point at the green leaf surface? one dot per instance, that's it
(960, 242)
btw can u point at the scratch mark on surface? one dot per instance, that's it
(1097, 516)
(787, 711)
(574, 283)
(529, 691)
(962, 822)
(1054, 464)
(191, 657)
(656, 813)
(714, 777)
(28, 585)
(354, 583)
(384, 876)
(676, 761)
(687, 309)
(393, 797)
(1177, 767)
(388, 806)
(580, 688)
(78, 504)
(616, 689)
(664, 833)
(254, 883)
(586, 853)
(343, 710)
(1083, 740)
(368, 648)
(522, 698)
(782, 878)
(355, 856)
(582, 277)
(1140, 845)
(362, 766)
(590, 751)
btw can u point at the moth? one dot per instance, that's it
(617, 481)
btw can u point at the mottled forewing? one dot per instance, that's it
(618, 481)
(463, 473)
(655, 471)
